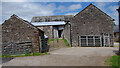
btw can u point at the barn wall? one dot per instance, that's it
(67, 33)
(52, 18)
(91, 21)
(48, 30)
(51, 31)
(16, 32)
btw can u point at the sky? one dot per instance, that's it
(26, 10)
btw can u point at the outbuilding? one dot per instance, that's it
(20, 36)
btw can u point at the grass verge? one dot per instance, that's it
(27, 54)
(113, 61)
(67, 44)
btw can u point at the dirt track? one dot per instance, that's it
(75, 56)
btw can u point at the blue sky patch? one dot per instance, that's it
(27, 10)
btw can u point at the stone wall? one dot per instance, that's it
(48, 30)
(90, 21)
(67, 33)
(20, 36)
(52, 18)
(52, 31)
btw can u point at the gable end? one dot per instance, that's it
(91, 5)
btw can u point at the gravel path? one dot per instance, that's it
(74, 56)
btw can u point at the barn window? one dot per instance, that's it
(83, 41)
(88, 40)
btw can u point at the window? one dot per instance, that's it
(88, 40)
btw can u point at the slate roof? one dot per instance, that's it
(52, 18)
(48, 23)
(24, 22)
(116, 28)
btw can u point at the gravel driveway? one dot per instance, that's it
(73, 56)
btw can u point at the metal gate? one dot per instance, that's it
(90, 40)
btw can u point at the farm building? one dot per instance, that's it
(53, 26)
(90, 27)
(116, 33)
(20, 36)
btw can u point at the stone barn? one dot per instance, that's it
(20, 36)
(53, 26)
(91, 27)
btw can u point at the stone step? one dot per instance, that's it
(56, 44)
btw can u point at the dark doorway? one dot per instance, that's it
(60, 33)
(102, 41)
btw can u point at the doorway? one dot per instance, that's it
(60, 33)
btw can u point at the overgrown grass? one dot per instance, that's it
(54, 39)
(67, 44)
(113, 61)
(65, 41)
(51, 40)
(27, 54)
